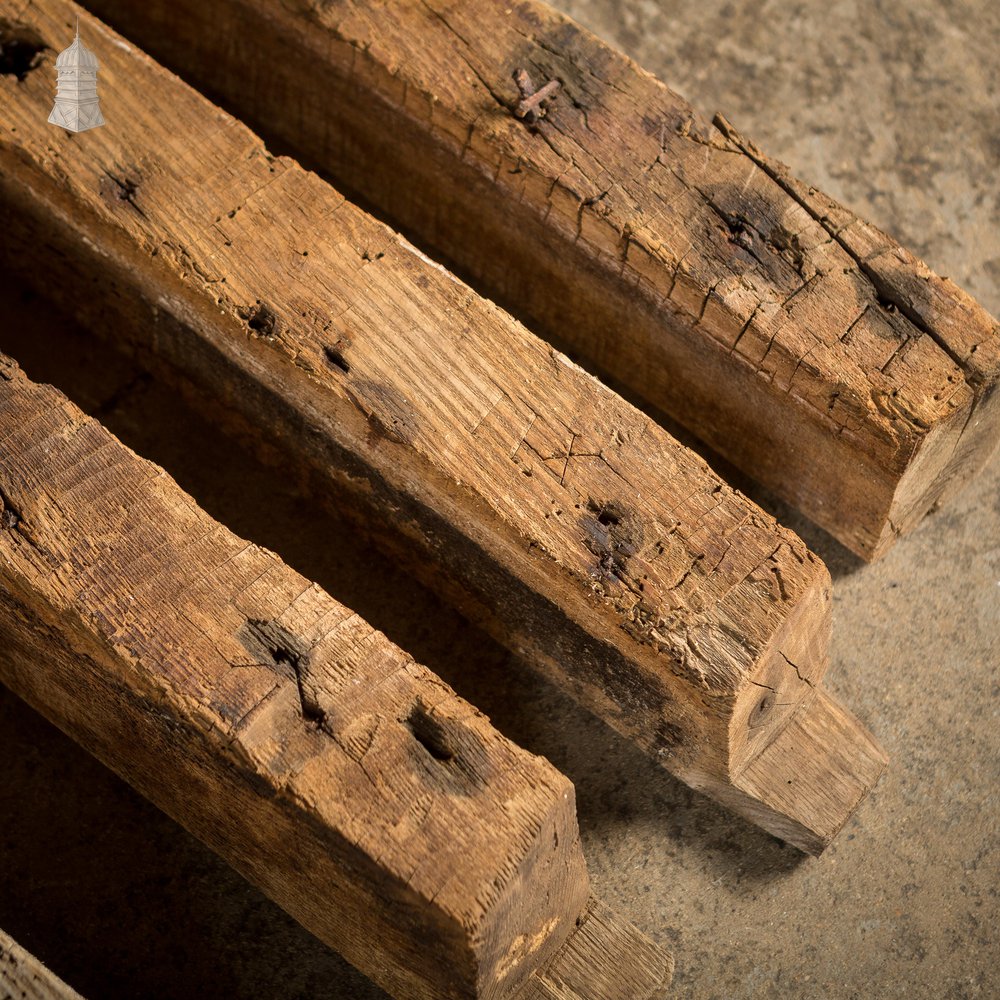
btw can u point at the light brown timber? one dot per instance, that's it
(803, 344)
(602, 958)
(23, 977)
(349, 783)
(567, 522)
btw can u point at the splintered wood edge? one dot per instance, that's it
(24, 977)
(604, 958)
(805, 785)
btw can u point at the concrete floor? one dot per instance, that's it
(891, 106)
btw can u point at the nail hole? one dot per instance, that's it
(279, 644)
(124, 187)
(9, 517)
(261, 319)
(20, 50)
(429, 733)
(336, 358)
(762, 710)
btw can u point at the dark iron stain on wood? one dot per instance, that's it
(261, 319)
(668, 737)
(612, 534)
(389, 416)
(268, 641)
(121, 185)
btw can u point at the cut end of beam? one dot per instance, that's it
(950, 455)
(605, 958)
(806, 784)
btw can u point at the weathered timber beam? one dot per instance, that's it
(800, 342)
(542, 504)
(348, 782)
(23, 977)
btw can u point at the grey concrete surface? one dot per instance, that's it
(892, 107)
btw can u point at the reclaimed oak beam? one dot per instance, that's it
(346, 781)
(24, 977)
(803, 344)
(542, 504)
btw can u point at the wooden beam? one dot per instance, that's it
(346, 781)
(542, 504)
(23, 977)
(800, 342)
(604, 959)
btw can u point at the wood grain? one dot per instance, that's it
(604, 957)
(23, 977)
(803, 344)
(543, 505)
(349, 783)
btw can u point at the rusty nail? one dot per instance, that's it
(530, 106)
